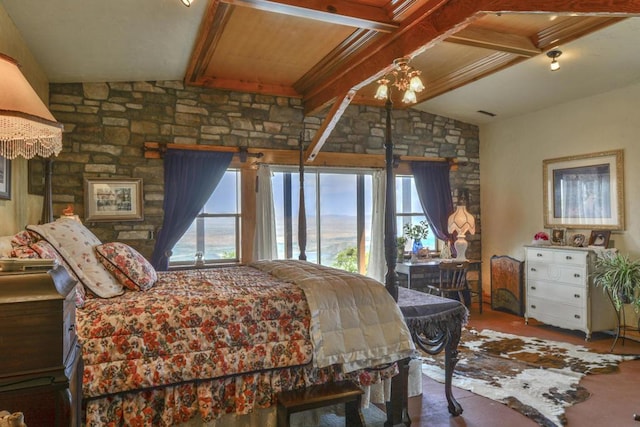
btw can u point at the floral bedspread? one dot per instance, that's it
(194, 324)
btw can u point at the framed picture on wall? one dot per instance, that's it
(5, 178)
(111, 199)
(584, 191)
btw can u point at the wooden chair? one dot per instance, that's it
(453, 282)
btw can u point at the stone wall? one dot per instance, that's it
(107, 124)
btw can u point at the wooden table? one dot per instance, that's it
(435, 324)
(420, 273)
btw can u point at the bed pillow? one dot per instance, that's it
(26, 245)
(75, 243)
(127, 265)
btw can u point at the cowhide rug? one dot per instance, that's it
(537, 378)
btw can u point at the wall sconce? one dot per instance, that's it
(554, 55)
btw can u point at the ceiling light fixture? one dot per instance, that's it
(554, 54)
(187, 2)
(27, 127)
(405, 78)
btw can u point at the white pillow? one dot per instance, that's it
(5, 246)
(76, 243)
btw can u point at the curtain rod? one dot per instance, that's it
(156, 150)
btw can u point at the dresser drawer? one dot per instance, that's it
(577, 258)
(539, 255)
(558, 256)
(571, 295)
(574, 275)
(557, 313)
(30, 337)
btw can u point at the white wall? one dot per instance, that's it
(511, 155)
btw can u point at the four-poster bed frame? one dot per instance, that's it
(435, 323)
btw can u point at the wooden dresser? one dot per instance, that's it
(39, 354)
(560, 291)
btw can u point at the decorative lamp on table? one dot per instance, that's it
(461, 222)
(27, 127)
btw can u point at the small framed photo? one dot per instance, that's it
(577, 240)
(558, 236)
(111, 199)
(600, 238)
(5, 178)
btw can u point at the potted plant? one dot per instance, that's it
(619, 276)
(417, 232)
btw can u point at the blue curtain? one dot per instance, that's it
(434, 191)
(189, 180)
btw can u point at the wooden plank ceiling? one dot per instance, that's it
(331, 53)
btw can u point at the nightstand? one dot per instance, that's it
(39, 371)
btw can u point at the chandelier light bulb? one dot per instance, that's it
(416, 84)
(383, 90)
(555, 65)
(187, 2)
(409, 97)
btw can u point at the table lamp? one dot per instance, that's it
(27, 127)
(462, 222)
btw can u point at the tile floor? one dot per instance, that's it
(614, 401)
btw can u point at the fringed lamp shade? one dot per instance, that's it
(27, 128)
(462, 222)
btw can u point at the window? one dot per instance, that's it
(409, 210)
(215, 233)
(338, 215)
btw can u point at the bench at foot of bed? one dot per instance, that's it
(320, 396)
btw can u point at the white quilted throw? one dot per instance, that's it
(354, 320)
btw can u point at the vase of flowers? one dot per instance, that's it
(416, 232)
(541, 238)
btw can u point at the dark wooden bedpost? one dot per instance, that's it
(302, 214)
(390, 239)
(47, 204)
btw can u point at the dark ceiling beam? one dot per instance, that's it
(215, 19)
(342, 12)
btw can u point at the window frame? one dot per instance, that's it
(200, 231)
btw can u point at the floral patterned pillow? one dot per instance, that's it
(127, 265)
(74, 242)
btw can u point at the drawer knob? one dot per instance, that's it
(72, 327)
(533, 306)
(538, 254)
(576, 275)
(533, 269)
(577, 316)
(576, 295)
(568, 257)
(533, 288)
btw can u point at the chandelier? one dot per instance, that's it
(403, 77)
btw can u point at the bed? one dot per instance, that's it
(214, 346)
